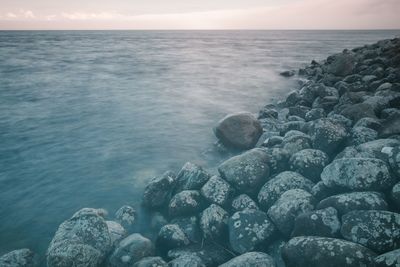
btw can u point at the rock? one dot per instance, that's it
(395, 194)
(307, 251)
(341, 64)
(187, 202)
(239, 131)
(328, 136)
(347, 202)
(389, 112)
(83, 240)
(247, 171)
(248, 229)
(268, 111)
(20, 258)
(321, 191)
(300, 111)
(291, 204)
(273, 141)
(394, 160)
(214, 223)
(310, 163)
(375, 229)
(191, 177)
(217, 191)
(275, 250)
(126, 216)
(278, 185)
(157, 220)
(292, 125)
(251, 259)
(367, 122)
(391, 126)
(243, 202)
(360, 135)
(116, 231)
(187, 260)
(361, 174)
(358, 111)
(389, 259)
(130, 250)
(158, 191)
(288, 73)
(278, 159)
(315, 114)
(375, 147)
(324, 222)
(190, 226)
(296, 143)
(171, 236)
(151, 262)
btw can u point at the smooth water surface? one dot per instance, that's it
(87, 117)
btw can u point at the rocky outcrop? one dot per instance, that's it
(20, 258)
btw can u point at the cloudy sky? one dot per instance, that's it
(205, 14)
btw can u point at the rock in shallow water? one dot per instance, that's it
(217, 191)
(19, 258)
(158, 191)
(191, 177)
(171, 236)
(214, 223)
(187, 202)
(126, 216)
(251, 259)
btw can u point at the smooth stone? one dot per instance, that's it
(251, 259)
(214, 223)
(217, 190)
(309, 163)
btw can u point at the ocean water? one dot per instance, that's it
(88, 117)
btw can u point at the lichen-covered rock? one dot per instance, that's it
(130, 250)
(295, 143)
(394, 160)
(290, 204)
(243, 202)
(391, 126)
(251, 259)
(321, 191)
(347, 202)
(214, 222)
(217, 191)
(328, 136)
(190, 226)
(240, 130)
(171, 236)
(324, 222)
(158, 191)
(187, 260)
(274, 188)
(370, 123)
(360, 135)
(307, 251)
(376, 229)
(361, 174)
(278, 159)
(358, 111)
(20, 258)
(151, 262)
(389, 259)
(249, 228)
(247, 171)
(126, 216)
(395, 194)
(187, 202)
(310, 163)
(372, 149)
(83, 240)
(117, 232)
(315, 114)
(191, 177)
(341, 64)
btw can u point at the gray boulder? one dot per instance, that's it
(358, 111)
(214, 223)
(360, 135)
(20, 258)
(395, 195)
(239, 131)
(341, 64)
(151, 262)
(217, 190)
(158, 191)
(171, 236)
(394, 160)
(187, 260)
(243, 202)
(389, 259)
(191, 177)
(187, 202)
(117, 232)
(328, 136)
(315, 114)
(190, 226)
(310, 163)
(391, 126)
(126, 216)
(251, 259)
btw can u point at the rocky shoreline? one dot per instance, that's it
(316, 183)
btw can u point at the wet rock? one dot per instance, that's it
(20, 258)
(389, 259)
(251, 259)
(361, 174)
(130, 250)
(191, 177)
(171, 236)
(274, 188)
(268, 111)
(295, 143)
(328, 136)
(187, 260)
(248, 229)
(306, 251)
(375, 229)
(291, 204)
(240, 130)
(347, 202)
(213, 223)
(391, 126)
(315, 114)
(151, 262)
(324, 222)
(247, 171)
(341, 64)
(187, 202)
(309, 162)
(217, 191)
(158, 191)
(395, 194)
(116, 231)
(288, 73)
(190, 226)
(126, 216)
(243, 202)
(83, 240)
(360, 135)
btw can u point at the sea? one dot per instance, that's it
(87, 118)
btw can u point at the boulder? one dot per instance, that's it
(328, 136)
(296, 143)
(362, 174)
(341, 64)
(275, 250)
(217, 190)
(214, 223)
(395, 195)
(190, 226)
(274, 188)
(239, 131)
(310, 163)
(291, 204)
(131, 250)
(394, 160)
(116, 231)
(126, 216)
(358, 111)
(83, 240)
(315, 114)
(248, 229)
(375, 229)
(278, 159)
(389, 259)
(187, 202)
(251, 259)
(243, 202)
(360, 135)
(20, 258)
(187, 260)
(247, 171)
(307, 251)
(158, 191)
(321, 191)
(191, 177)
(288, 73)
(171, 236)
(151, 262)
(368, 122)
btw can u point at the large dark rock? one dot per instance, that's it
(291, 204)
(341, 64)
(274, 188)
(361, 174)
(185, 203)
(247, 171)
(117, 232)
(251, 259)
(171, 236)
(240, 130)
(20, 258)
(190, 226)
(310, 163)
(158, 192)
(358, 111)
(217, 191)
(214, 223)
(389, 259)
(278, 159)
(307, 251)
(360, 135)
(248, 229)
(126, 216)
(151, 262)
(376, 229)
(394, 160)
(390, 126)
(191, 177)
(83, 240)
(328, 136)
(130, 250)
(347, 202)
(243, 202)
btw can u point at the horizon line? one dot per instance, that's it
(233, 29)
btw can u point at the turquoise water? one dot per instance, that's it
(86, 118)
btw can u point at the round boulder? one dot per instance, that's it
(191, 177)
(243, 202)
(187, 202)
(213, 223)
(389, 259)
(310, 163)
(171, 236)
(151, 262)
(217, 190)
(328, 136)
(251, 259)
(126, 216)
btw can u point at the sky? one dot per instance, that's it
(205, 14)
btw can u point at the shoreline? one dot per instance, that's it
(269, 204)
